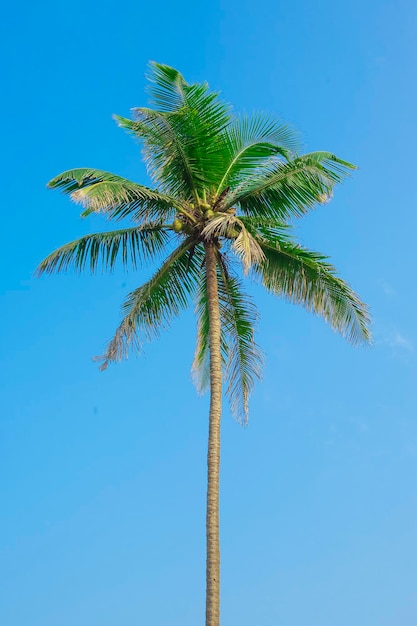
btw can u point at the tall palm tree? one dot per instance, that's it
(226, 191)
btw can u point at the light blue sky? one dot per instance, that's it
(103, 474)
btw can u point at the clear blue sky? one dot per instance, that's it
(103, 474)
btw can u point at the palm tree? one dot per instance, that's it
(226, 191)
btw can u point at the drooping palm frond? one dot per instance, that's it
(200, 368)
(241, 357)
(245, 246)
(285, 190)
(201, 364)
(307, 278)
(149, 309)
(244, 365)
(116, 197)
(132, 246)
(247, 249)
(249, 142)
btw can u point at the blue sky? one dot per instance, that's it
(103, 474)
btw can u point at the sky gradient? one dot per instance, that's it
(102, 475)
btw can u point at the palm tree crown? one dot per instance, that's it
(236, 182)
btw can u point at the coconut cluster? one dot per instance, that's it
(204, 213)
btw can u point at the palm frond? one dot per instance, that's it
(248, 249)
(307, 278)
(200, 369)
(250, 142)
(241, 357)
(150, 309)
(204, 117)
(201, 364)
(167, 152)
(269, 227)
(181, 140)
(201, 108)
(166, 87)
(245, 246)
(244, 364)
(132, 246)
(116, 197)
(286, 190)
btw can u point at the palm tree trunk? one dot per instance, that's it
(213, 456)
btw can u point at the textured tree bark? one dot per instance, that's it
(213, 456)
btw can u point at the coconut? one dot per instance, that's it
(209, 214)
(177, 225)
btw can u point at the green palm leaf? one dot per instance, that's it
(167, 153)
(241, 357)
(151, 308)
(201, 365)
(306, 278)
(181, 149)
(285, 190)
(166, 87)
(201, 109)
(200, 369)
(182, 145)
(244, 365)
(133, 246)
(116, 197)
(249, 142)
(204, 117)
